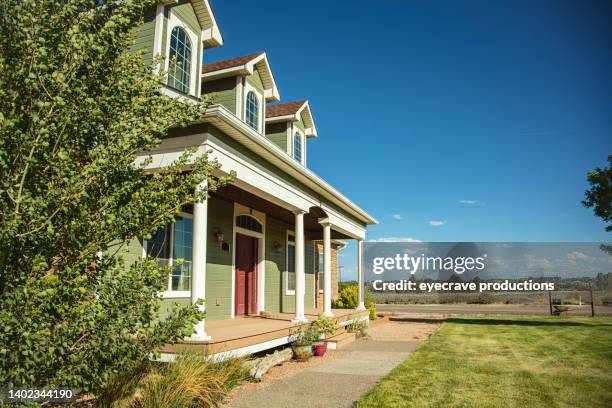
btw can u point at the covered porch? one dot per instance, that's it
(248, 335)
(280, 255)
(252, 242)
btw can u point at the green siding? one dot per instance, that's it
(255, 81)
(144, 36)
(184, 10)
(133, 251)
(219, 262)
(275, 265)
(167, 304)
(309, 251)
(225, 92)
(277, 133)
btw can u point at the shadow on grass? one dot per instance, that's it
(515, 322)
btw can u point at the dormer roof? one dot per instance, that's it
(243, 66)
(292, 111)
(211, 35)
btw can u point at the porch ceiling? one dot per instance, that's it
(234, 193)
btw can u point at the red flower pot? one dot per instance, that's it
(320, 349)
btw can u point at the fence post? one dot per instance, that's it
(550, 302)
(592, 303)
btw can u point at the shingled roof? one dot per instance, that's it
(243, 66)
(229, 63)
(292, 111)
(284, 109)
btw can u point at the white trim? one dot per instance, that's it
(261, 106)
(288, 135)
(174, 21)
(173, 93)
(240, 209)
(176, 294)
(302, 145)
(158, 36)
(211, 36)
(288, 292)
(239, 96)
(316, 265)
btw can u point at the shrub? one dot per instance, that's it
(348, 298)
(371, 306)
(193, 380)
(484, 298)
(76, 109)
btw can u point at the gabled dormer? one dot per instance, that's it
(179, 30)
(289, 125)
(243, 85)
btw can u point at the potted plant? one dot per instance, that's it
(353, 327)
(323, 326)
(301, 342)
(363, 328)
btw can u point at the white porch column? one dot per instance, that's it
(326, 267)
(360, 274)
(198, 259)
(300, 276)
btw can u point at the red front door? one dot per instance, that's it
(246, 275)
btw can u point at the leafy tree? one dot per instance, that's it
(599, 196)
(75, 109)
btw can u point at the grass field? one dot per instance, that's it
(505, 362)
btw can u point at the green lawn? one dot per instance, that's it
(505, 362)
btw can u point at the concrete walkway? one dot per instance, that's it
(338, 382)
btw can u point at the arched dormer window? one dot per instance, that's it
(252, 110)
(248, 223)
(179, 72)
(297, 146)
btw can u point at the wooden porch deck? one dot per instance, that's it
(247, 335)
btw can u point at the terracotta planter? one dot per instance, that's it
(302, 353)
(320, 349)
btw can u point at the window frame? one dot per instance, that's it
(168, 292)
(257, 113)
(173, 22)
(321, 269)
(297, 135)
(178, 72)
(289, 292)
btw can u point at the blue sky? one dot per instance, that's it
(421, 105)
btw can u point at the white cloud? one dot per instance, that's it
(470, 202)
(435, 223)
(395, 239)
(397, 216)
(574, 256)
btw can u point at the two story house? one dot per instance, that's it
(266, 244)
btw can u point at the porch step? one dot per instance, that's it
(340, 340)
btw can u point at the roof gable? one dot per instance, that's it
(292, 111)
(211, 35)
(243, 66)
